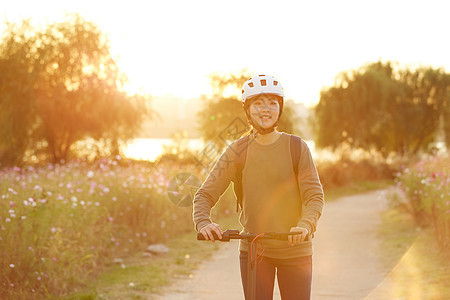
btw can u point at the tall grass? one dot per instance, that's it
(60, 224)
(426, 189)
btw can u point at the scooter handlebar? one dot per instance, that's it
(234, 234)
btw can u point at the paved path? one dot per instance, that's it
(345, 261)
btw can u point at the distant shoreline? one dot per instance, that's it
(150, 148)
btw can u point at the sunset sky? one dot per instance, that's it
(171, 47)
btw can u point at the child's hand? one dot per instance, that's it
(208, 230)
(297, 238)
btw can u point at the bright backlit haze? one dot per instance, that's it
(171, 47)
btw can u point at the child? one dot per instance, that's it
(274, 199)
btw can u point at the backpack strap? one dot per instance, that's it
(296, 150)
(241, 157)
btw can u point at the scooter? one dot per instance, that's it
(252, 238)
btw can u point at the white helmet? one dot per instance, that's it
(261, 84)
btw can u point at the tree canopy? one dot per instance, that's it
(60, 85)
(383, 108)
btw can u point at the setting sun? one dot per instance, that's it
(171, 47)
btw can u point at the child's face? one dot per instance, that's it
(264, 110)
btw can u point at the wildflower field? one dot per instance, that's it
(426, 187)
(60, 224)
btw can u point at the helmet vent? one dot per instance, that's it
(275, 83)
(263, 82)
(250, 84)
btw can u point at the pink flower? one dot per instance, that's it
(12, 191)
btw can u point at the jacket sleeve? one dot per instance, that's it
(311, 191)
(213, 187)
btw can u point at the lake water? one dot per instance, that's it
(150, 148)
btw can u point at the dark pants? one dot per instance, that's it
(294, 276)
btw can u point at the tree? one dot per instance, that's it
(222, 118)
(446, 121)
(61, 86)
(424, 102)
(17, 108)
(378, 108)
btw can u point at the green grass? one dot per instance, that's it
(419, 268)
(397, 235)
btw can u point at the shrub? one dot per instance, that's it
(345, 171)
(426, 186)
